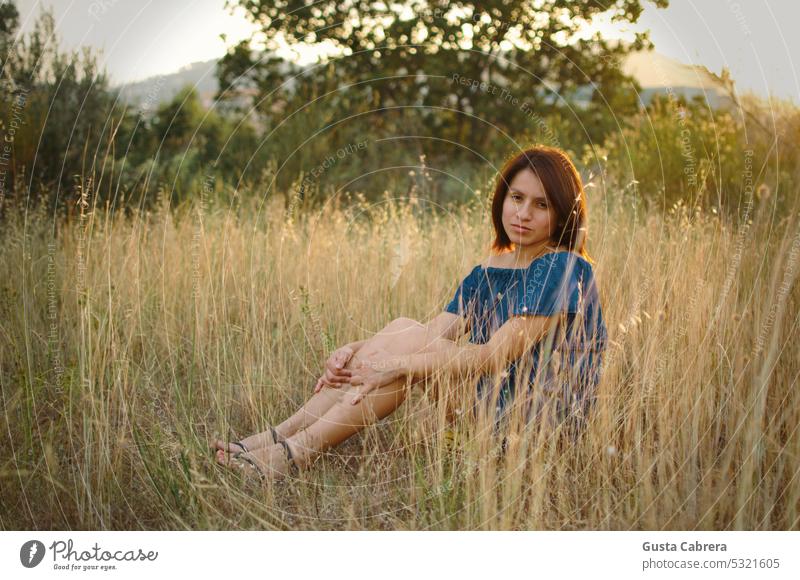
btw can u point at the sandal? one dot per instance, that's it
(293, 467)
(237, 457)
(276, 438)
(214, 449)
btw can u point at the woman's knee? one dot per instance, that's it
(397, 337)
(402, 323)
(436, 344)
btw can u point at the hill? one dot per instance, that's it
(656, 73)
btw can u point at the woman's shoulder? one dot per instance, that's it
(563, 264)
(472, 274)
(501, 261)
(567, 257)
(560, 256)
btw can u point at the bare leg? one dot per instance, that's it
(395, 337)
(311, 410)
(315, 431)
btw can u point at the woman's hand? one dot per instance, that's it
(374, 374)
(335, 374)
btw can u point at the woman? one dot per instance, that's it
(534, 317)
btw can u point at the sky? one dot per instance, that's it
(144, 38)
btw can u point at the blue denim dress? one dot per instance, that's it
(562, 370)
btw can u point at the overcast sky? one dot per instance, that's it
(142, 38)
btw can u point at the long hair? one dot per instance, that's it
(563, 188)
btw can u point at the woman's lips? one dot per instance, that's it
(520, 228)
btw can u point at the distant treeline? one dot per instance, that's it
(314, 133)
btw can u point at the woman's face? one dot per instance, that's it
(526, 205)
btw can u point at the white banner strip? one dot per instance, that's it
(390, 555)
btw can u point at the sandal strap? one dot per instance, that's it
(252, 463)
(289, 456)
(275, 437)
(239, 443)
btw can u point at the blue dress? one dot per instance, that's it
(563, 368)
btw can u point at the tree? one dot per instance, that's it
(9, 21)
(57, 109)
(476, 69)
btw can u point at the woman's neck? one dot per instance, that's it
(521, 256)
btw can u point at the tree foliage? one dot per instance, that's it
(473, 73)
(65, 131)
(56, 106)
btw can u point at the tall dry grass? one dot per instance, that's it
(126, 343)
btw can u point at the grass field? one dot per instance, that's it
(126, 343)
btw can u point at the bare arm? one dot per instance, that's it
(444, 325)
(447, 325)
(356, 346)
(510, 341)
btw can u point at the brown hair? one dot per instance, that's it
(564, 191)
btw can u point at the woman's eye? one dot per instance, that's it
(542, 205)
